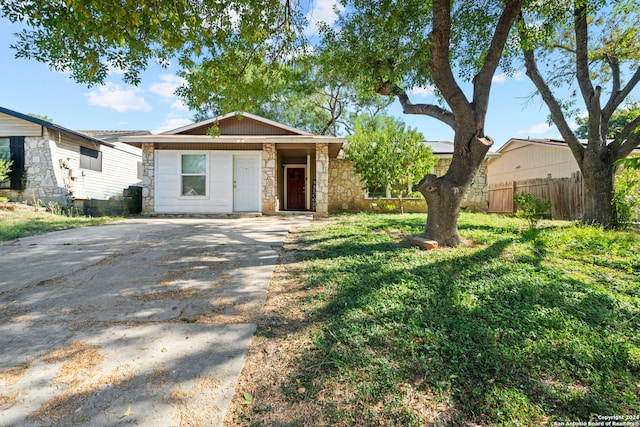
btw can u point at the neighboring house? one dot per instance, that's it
(253, 165)
(52, 163)
(348, 193)
(523, 159)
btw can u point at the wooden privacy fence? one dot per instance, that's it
(566, 195)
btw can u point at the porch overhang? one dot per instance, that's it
(306, 143)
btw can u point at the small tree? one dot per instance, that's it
(5, 168)
(531, 208)
(386, 154)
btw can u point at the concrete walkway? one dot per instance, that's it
(143, 322)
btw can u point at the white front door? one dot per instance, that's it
(246, 183)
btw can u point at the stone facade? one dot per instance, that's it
(47, 178)
(322, 179)
(347, 193)
(148, 178)
(269, 181)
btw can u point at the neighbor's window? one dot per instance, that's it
(194, 174)
(90, 159)
(12, 149)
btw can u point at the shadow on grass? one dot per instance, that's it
(459, 337)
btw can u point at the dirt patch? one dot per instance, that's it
(15, 206)
(189, 404)
(226, 311)
(155, 295)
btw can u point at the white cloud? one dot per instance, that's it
(502, 77)
(423, 90)
(322, 11)
(113, 69)
(537, 129)
(118, 98)
(179, 105)
(167, 85)
(172, 123)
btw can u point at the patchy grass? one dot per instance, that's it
(21, 221)
(518, 328)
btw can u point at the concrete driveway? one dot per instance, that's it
(143, 322)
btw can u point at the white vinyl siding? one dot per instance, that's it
(13, 126)
(119, 170)
(219, 183)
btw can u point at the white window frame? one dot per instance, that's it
(206, 176)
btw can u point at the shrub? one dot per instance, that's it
(531, 208)
(626, 198)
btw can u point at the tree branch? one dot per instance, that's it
(621, 95)
(582, 54)
(552, 103)
(425, 109)
(482, 80)
(627, 140)
(440, 65)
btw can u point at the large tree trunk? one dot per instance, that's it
(444, 194)
(598, 175)
(443, 207)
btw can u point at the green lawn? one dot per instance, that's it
(516, 329)
(26, 222)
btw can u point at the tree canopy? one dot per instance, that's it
(89, 37)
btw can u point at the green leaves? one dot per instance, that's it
(88, 37)
(386, 154)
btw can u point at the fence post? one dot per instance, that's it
(511, 201)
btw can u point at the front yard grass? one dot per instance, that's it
(517, 328)
(21, 221)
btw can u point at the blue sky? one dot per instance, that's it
(30, 87)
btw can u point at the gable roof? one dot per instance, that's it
(559, 143)
(238, 123)
(112, 135)
(248, 132)
(52, 126)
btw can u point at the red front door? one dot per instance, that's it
(295, 189)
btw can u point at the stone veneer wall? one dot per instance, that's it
(148, 178)
(269, 181)
(47, 180)
(322, 179)
(347, 192)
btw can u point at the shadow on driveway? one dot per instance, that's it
(144, 322)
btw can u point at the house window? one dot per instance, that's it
(377, 192)
(391, 193)
(90, 159)
(12, 149)
(194, 174)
